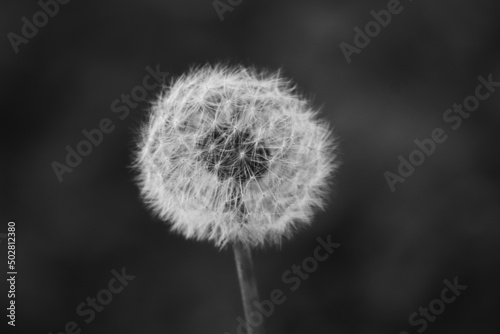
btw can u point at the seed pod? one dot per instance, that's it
(234, 155)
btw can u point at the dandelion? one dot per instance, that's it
(234, 156)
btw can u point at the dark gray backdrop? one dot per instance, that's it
(397, 247)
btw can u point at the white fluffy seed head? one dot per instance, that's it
(234, 155)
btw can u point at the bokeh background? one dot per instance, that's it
(397, 247)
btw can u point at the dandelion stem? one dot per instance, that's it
(248, 285)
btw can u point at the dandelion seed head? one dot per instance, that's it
(234, 155)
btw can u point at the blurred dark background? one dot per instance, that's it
(397, 247)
